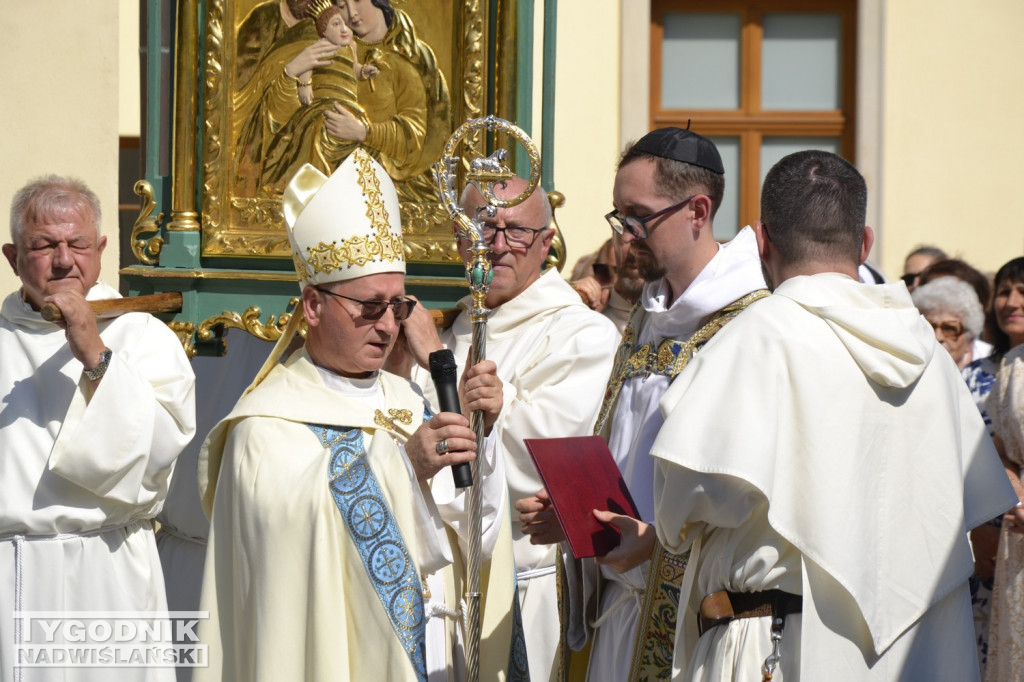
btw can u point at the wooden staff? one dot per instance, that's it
(166, 302)
(443, 317)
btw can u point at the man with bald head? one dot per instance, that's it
(553, 355)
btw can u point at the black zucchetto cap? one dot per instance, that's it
(683, 145)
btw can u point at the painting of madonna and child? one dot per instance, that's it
(308, 81)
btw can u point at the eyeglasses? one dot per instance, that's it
(637, 226)
(949, 331)
(374, 309)
(909, 278)
(521, 237)
(603, 273)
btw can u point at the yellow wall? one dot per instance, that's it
(953, 144)
(59, 109)
(129, 102)
(948, 140)
(586, 120)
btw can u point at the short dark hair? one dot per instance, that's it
(1012, 271)
(814, 207)
(676, 180)
(930, 251)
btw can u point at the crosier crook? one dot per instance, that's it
(479, 275)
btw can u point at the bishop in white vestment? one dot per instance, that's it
(329, 557)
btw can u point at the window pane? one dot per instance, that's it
(774, 148)
(727, 219)
(700, 58)
(800, 61)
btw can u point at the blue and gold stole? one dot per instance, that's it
(377, 538)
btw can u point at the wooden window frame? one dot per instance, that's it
(750, 123)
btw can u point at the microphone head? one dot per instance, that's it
(442, 365)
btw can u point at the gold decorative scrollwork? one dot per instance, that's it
(473, 75)
(213, 146)
(265, 213)
(147, 251)
(556, 258)
(184, 331)
(250, 322)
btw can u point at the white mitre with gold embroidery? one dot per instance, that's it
(344, 226)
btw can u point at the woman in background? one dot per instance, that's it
(1005, 405)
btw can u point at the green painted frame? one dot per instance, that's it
(257, 295)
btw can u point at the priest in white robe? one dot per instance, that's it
(824, 462)
(668, 187)
(328, 556)
(93, 415)
(553, 355)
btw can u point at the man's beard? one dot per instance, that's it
(629, 288)
(648, 266)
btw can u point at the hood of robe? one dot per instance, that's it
(877, 324)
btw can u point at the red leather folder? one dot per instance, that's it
(580, 476)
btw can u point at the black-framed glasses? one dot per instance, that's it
(909, 278)
(604, 273)
(374, 309)
(637, 226)
(520, 237)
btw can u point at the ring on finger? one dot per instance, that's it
(441, 447)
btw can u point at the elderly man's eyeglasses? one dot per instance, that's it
(521, 237)
(950, 331)
(374, 309)
(636, 225)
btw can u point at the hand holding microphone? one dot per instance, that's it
(444, 373)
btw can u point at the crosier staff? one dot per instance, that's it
(484, 173)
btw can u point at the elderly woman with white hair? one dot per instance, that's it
(954, 311)
(952, 307)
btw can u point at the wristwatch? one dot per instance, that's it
(100, 369)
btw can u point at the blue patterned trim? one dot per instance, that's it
(377, 538)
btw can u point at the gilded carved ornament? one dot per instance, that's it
(147, 251)
(249, 321)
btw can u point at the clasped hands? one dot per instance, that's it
(636, 538)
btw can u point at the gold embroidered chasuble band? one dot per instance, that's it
(652, 650)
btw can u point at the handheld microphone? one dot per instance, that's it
(443, 371)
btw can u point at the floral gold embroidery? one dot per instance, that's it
(388, 422)
(380, 244)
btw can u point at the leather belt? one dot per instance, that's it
(719, 608)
